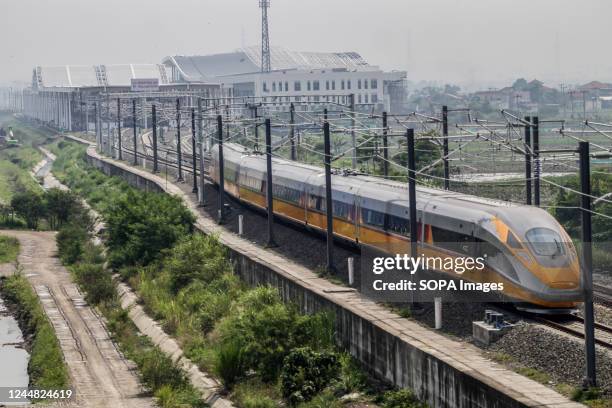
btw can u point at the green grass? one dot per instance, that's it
(47, 369)
(17, 162)
(9, 249)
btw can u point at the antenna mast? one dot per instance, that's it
(266, 65)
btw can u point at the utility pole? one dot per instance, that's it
(328, 199)
(201, 202)
(269, 189)
(179, 156)
(445, 147)
(385, 125)
(536, 158)
(527, 146)
(587, 265)
(353, 137)
(134, 132)
(194, 153)
(412, 193)
(98, 126)
(292, 131)
(256, 147)
(108, 129)
(221, 168)
(154, 124)
(119, 129)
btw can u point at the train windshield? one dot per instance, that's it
(545, 242)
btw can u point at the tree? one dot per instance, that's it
(29, 206)
(140, 225)
(520, 84)
(197, 257)
(61, 206)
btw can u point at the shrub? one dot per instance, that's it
(306, 372)
(71, 240)
(197, 257)
(352, 378)
(158, 370)
(264, 325)
(209, 302)
(97, 282)
(268, 329)
(229, 364)
(140, 225)
(403, 398)
(9, 249)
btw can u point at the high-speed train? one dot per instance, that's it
(528, 250)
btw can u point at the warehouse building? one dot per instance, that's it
(63, 96)
(298, 77)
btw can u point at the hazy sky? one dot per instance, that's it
(461, 41)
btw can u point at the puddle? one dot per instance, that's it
(14, 358)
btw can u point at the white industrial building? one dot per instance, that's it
(299, 77)
(62, 96)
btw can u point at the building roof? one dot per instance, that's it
(595, 85)
(75, 76)
(248, 60)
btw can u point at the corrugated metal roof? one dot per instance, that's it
(248, 60)
(73, 76)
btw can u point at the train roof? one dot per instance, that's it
(392, 196)
(366, 183)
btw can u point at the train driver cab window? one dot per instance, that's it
(545, 242)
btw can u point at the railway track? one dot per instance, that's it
(574, 326)
(602, 294)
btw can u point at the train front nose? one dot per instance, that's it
(554, 267)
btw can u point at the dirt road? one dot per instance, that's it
(99, 374)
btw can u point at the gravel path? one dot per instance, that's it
(99, 374)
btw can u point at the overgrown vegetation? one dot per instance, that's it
(17, 161)
(86, 262)
(46, 367)
(9, 249)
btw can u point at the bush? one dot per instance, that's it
(268, 329)
(168, 397)
(207, 302)
(141, 225)
(97, 282)
(158, 370)
(229, 364)
(403, 398)
(9, 249)
(306, 372)
(264, 326)
(71, 240)
(197, 257)
(352, 378)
